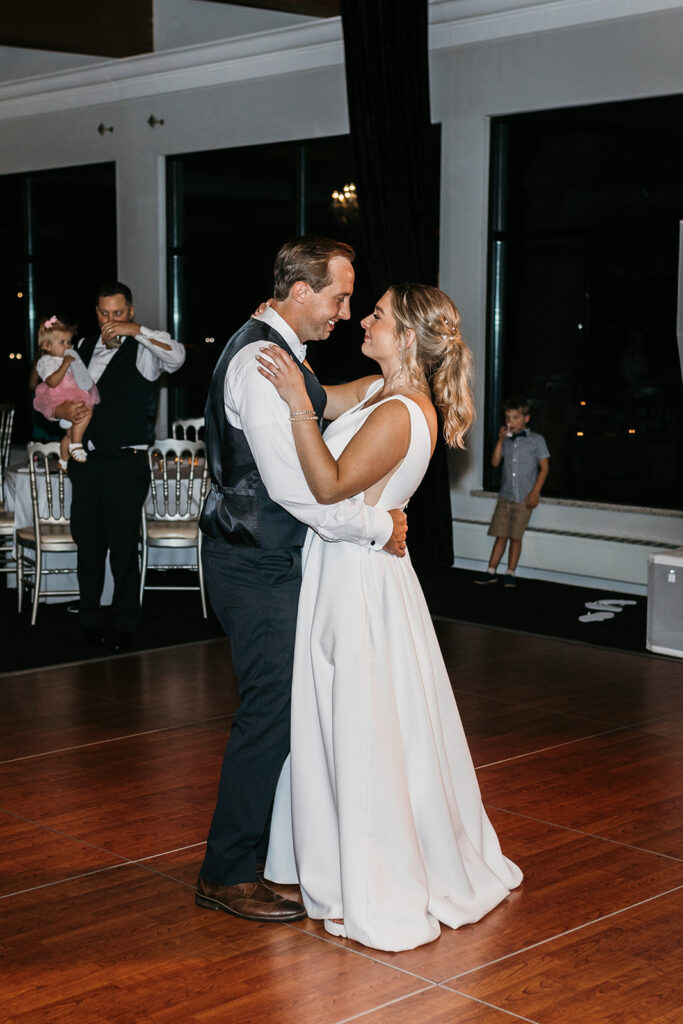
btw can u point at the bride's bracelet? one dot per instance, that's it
(307, 414)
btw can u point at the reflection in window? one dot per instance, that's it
(229, 211)
(583, 264)
(59, 244)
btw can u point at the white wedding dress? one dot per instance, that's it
(380, 820)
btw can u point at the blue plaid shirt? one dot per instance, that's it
(520, 464)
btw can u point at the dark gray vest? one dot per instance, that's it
(125, 415)
(237, 507)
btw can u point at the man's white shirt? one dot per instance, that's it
(151, 361)
(253, 405)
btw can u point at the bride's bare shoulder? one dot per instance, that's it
(427, 406)
(363, 385)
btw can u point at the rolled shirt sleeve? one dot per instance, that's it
(253, 405)
(151, 360)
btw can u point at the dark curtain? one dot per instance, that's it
(387, 81)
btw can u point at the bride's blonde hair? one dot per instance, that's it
(438, 354)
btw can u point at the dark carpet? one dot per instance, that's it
(174, 617)
(169, 617)
(536, 606)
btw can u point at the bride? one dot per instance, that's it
(378, 814)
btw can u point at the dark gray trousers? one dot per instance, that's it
(254, 593)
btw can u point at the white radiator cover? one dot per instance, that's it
(665, 603)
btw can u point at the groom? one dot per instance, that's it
(254, 524)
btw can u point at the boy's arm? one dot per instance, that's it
(534, 494)
(497, 456)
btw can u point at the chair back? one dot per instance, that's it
(188, 430)
(48, 501)
(6, 423)
(179, 479)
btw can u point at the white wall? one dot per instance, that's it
(487, 57)
(16, 62)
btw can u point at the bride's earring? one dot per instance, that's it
(402, 359)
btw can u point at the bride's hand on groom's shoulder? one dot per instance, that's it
(262, 308)
(280, 369)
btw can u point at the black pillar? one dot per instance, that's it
(387, 81)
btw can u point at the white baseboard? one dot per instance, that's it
(572, 579)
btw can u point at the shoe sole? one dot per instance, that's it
(208, 904)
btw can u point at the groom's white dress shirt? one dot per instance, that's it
(253, 405)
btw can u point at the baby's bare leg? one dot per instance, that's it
(77, 430)
(64, 446)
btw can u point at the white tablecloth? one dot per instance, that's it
(18, 500)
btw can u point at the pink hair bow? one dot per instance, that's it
(51, 322)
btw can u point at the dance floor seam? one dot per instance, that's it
(552, 746)
(124, 737)
(548, 636)
(106, 658)
(483, 1002)
(108, 787)
(563, 934)
(586, 833)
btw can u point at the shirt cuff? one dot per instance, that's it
(380, 527)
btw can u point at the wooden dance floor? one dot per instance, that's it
(107, 780)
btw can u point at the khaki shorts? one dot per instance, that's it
(510, 519)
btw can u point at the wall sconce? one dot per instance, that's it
(345, 204)
(153, 121)
(102, 128)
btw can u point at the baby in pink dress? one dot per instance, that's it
(65, 377)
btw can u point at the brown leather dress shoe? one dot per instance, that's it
(250, 900)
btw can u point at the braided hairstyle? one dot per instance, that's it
(438, 354)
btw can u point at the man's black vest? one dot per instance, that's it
(125, 415)
(237, 507)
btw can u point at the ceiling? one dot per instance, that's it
(119, 28)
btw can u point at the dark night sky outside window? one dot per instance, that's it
(229, 211)
(59, 244)
(583, 262)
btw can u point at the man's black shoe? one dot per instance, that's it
(94, 636)
(121, 643)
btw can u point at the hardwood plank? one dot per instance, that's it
(130, 946)
(192, 682)
(498, 729)
(569, 879)
(626, 968)
(626, 786)
(134, 797)
(438, 1006)
(34, 856)
(609, 686)
(39, 716)
(53, 709)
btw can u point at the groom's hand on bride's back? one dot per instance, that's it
(396, 545)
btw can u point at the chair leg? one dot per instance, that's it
(20, 578)
(143, 571)
(200, 570)
(36, 587)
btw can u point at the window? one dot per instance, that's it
(59, 244)
(229, 211)
(583, 264)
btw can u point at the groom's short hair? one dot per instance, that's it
(307, 259)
